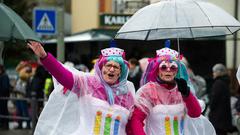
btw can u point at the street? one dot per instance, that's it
(15, 132)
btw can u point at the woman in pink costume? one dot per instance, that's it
(86, 104)
(165, 104)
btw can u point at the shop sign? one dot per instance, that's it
(113, 19)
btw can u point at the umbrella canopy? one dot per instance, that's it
(13, 27)
(178, 19)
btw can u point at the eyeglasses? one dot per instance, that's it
(172, 68)
(109, 66)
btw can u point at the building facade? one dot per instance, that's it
(111, 14)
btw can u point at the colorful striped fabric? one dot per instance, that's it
(109, 120)
(167, 126)
(98, 120)
(173, 125)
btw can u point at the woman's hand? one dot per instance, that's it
(182, 87)
(37, 49)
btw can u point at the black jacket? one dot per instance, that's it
(4, 85)
(220, 107)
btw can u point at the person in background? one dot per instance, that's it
(198, 82)
(99, 103)
(4, 92)
(82, 67)
(237, 105)
(48, 87)
(236, 111)
(92, 71)
(36, 86)
(238, 74)
(165, 104)
(143, 62)
(25, 72)
(220, 107)
(135, 72)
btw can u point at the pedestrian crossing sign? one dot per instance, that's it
(44, 21)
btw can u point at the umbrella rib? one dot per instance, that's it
(191, 31)
(147, 35)
(229, 30)
(202, 11)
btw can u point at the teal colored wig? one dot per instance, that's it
(122, 80)
(124, 67)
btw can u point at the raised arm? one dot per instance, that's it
(62, 75)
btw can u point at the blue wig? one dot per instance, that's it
(123, 65)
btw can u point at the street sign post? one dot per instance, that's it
(44, 21)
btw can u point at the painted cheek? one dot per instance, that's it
(160, 75)
(104, 72)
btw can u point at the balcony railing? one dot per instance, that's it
(130, 6)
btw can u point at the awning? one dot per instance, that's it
(89, 35)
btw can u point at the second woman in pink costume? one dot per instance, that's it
(165, 104)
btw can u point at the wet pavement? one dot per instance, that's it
(16, 132)
(13, 130)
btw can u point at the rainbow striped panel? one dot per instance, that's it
(182, 125)
(97, 125)
(175, 125)
(167, 126)
(116, 125)
(107, 126)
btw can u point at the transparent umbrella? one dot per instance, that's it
(169, 19)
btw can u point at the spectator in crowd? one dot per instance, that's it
(238, 74)
(143, 62)
(220, 108)
(82, 67)
(135, 72)
(4, 92)
(198, 82)
(36, 86)
(236, 113)
(25, 73)
(48, 87)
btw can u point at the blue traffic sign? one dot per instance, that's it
(44, 21)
